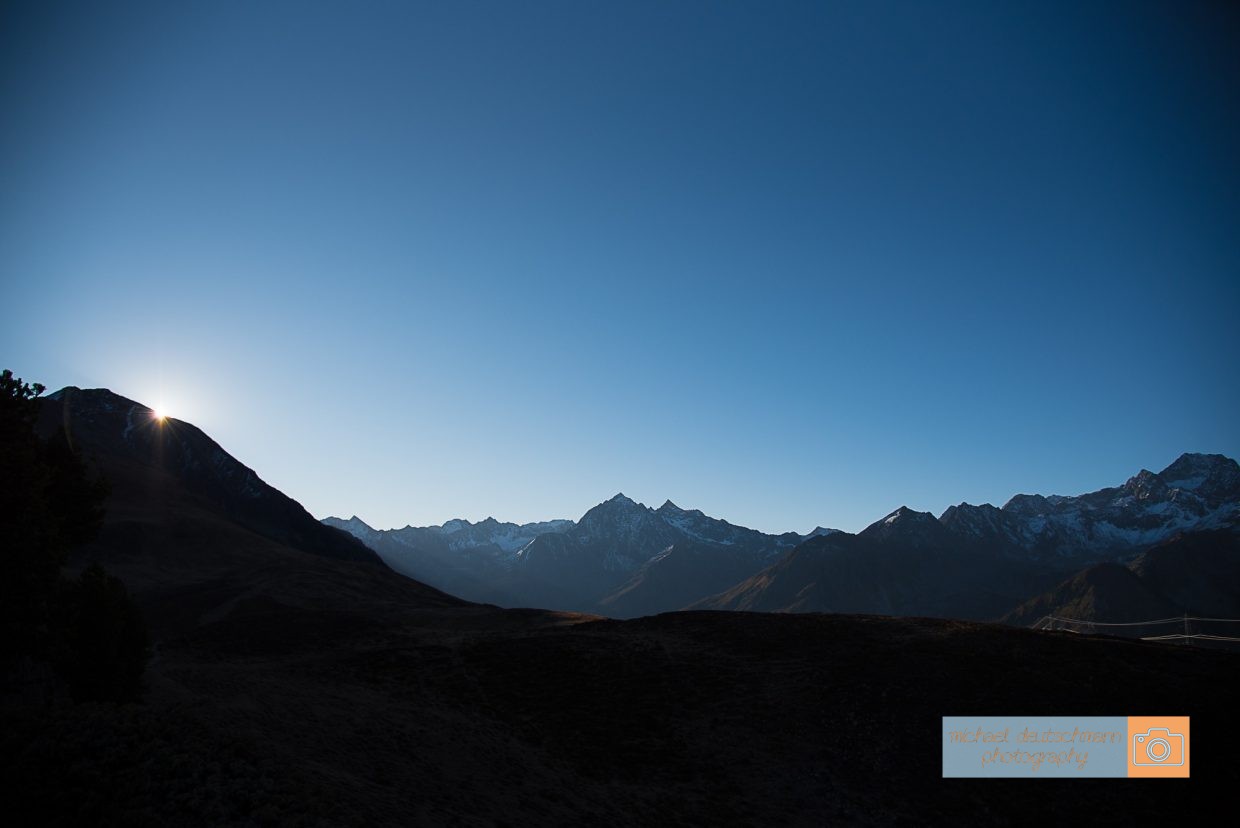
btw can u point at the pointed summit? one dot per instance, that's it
(1145, 485)
(1189, 471)
(903, 514)
(355, 526)
(618, 507)
(669, 507)
(1191, 460)
(905, 523)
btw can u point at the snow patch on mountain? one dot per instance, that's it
(1197, 491)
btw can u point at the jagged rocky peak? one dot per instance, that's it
(904, 521)
(617, 505)
(617, 508)
(1026, 504)
(670, 509)
(1206, 474)
(554, 525)
(966, 516)
(906, 526)
(356, 527)
(967, 508)
(1145, 485)
(1197, 491)
(354, 522)
(906, 515)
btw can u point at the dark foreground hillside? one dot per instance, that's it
(475, 716)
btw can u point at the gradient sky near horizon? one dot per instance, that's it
(789, 263)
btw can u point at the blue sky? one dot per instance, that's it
(792, 264)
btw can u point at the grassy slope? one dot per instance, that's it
(470, 715)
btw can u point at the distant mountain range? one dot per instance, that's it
(1197, 491)
(983, 562)
(1159, 544)
(622, 557)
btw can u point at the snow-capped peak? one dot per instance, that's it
(905, 513)
(1192, 472)
(1196, 491)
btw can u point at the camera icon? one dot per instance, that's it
(1158, 746)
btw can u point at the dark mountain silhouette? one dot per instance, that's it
(576, 569)
(194, 533)
(621, 558)
(1106, 592)
(908, 563)
(984, 562)
(143, 456)
(1196, 573)
(624, 559)
(677, 577)
(466, 559)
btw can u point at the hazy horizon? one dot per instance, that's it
(791, 267)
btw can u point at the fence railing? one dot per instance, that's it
(1183, 629)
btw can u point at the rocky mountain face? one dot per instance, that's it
(907, 563)
(984, 562)
(1194, 573)
(460, 557)
(1197, 491)
(503, 539)
(625, 559)
(621, 557)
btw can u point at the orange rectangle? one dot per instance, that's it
(1158, 746)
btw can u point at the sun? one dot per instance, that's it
(159, 415)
